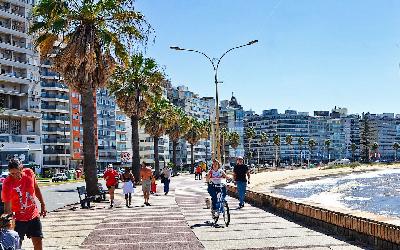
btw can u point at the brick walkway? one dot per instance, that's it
(176, 221)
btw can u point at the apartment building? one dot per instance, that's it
(56, 123)
(202, 108)
(20, 90)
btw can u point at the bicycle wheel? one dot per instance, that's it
(227, 215)
(215, 216)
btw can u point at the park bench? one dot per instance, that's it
(102, 192)
(84, 199)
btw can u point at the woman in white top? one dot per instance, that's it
(214, 177)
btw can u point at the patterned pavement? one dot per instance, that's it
(179, 220)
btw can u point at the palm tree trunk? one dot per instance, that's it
(135, 148)
(276, 156)
(192, 158)
(156, 159)
(174, 145)
(89, 140)
(301, 157)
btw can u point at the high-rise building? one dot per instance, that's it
(56, 137)
(112, 128)
(232, 118)
(197, 107)
(19, 87)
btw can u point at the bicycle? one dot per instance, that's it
(222, 206)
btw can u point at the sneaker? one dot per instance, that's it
(166, 193)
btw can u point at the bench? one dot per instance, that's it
(102, 192)
(85, 201)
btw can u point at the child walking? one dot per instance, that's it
(153, 189)
(128, 187)
(9, 239)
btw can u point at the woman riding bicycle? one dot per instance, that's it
(214, 177)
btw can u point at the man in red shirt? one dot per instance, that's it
(18, 194)
(111, 177)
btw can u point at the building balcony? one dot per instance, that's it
(12, 13)
(56, 140)
(20, 113)
(55, 107)
(54, 86)
(20, 142)
(19, 63)
(56, 152)
(55, 97)
(55, 118)
(15, 78)
(13, 30)
(56, 129)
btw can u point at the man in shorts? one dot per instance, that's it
(145, 175)
(18, 194)
(111, 176)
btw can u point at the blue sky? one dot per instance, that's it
(311, 55)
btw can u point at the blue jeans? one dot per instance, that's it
(241, 188)
(166, 185)
(213, 191)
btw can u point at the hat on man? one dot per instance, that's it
(109, 166)
(239, 158)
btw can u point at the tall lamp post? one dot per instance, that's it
(215, 64)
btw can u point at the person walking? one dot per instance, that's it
(18, 194)
(240, 171)
(153, 189)
(145, 175)
(128, 187)
(198, 175)
(111, 176)
(166, 173)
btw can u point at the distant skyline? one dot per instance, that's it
(311, 55)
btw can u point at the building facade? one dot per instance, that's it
(20, 90)
(56, 123)
(202, 108)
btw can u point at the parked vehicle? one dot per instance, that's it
(59, 177)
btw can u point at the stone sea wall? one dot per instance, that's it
(378, 234)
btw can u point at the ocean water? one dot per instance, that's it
(376, 191)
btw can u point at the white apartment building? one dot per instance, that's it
(19, 87)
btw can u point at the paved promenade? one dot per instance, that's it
(176, 221)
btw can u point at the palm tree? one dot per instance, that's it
(311, 146)
(263, 139)
(92, 36)
(300, 141)
(289, 141)
(179, 127)
(196, 132)
(327, 146)
(234, 140)
(277, 143)
(375, 147)
(224, 136)
(156, 122)
(396, 147)
(250, 133)
(135, 88)
(353, 147)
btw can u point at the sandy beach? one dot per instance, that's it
(265, 182)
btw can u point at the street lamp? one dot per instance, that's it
(215, 64)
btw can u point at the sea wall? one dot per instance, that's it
(378, 234)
